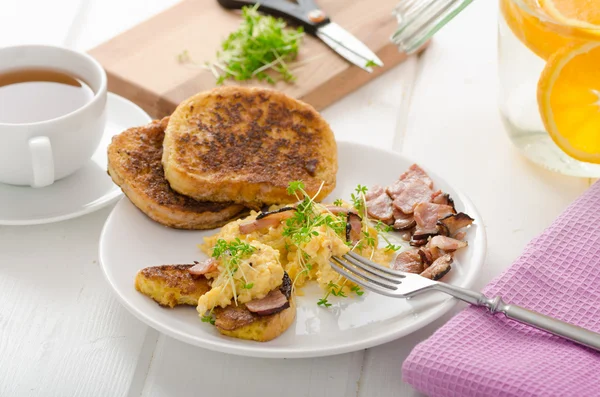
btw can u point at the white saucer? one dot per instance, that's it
(87, 190)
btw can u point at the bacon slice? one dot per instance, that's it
(455, 222)
(335, 210)
(460, 235)
(353, 228)
(408, 261)
(438, 268)
(435, 252)
(274, 302)
(427, 216)
(381, 208)
(440, 197)
(414, 193)
(403, 221)
(266, 220)
(206, 266)
(419, 241)
(416, 173)
(374, 192)
(395, 189)
(426, 257)
(447, 243)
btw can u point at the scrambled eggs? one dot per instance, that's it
(253, 277)
(309, 263)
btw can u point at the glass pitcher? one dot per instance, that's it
(548, 64)
(549, 71)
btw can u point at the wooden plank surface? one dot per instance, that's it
(142, 63)
(62, 331)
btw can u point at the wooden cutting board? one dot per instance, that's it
(142, 63)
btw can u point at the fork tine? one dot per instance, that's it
(362, 282)
(377, 266)
(382, 282)
(361, 263)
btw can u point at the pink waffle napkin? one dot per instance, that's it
(478, 354)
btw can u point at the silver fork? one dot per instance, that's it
(397, 284)
(418, 20)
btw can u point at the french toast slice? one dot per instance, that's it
(245, 144)
(260, 328)
(238, 321)
(134, 163)
(174, 285)
(171, 285)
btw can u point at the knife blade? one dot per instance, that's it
(348, 46)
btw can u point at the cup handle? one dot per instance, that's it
(42, 161)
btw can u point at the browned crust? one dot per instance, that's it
(134, 163)
(233, 317)
(171, 285)
(261, 328)
(177, 276)
(246, 144)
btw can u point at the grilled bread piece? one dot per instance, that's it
(245, 145)
(259, 328)
(171, 285)
(134, 163)
(240, 322)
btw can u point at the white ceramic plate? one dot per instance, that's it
(130, 241)
(87, 190)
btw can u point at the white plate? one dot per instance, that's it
(87, 190)
(130, 241)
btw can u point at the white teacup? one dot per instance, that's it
(37, 154)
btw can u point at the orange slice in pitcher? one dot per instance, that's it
(582, 14)
(569, 100)
(542, 37)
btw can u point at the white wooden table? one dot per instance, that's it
(62, 333)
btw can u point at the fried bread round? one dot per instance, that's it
(171, 285)
(244, 145)
(260, 328)
(134, 163)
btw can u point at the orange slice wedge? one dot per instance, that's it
(583, 14)
(569, 100)
(537, 35)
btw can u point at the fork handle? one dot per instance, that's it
(537, 320)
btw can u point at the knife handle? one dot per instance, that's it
(305, 13)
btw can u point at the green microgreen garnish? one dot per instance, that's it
(358, 200)
(261, 46)
(370, 63)
(208, 319)
(370, 240)
(356, 289)
(323, 302)
(309, 220)
(301, 228)
(230, 254)
(183, 57)
(332, 289)
(383, 228)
